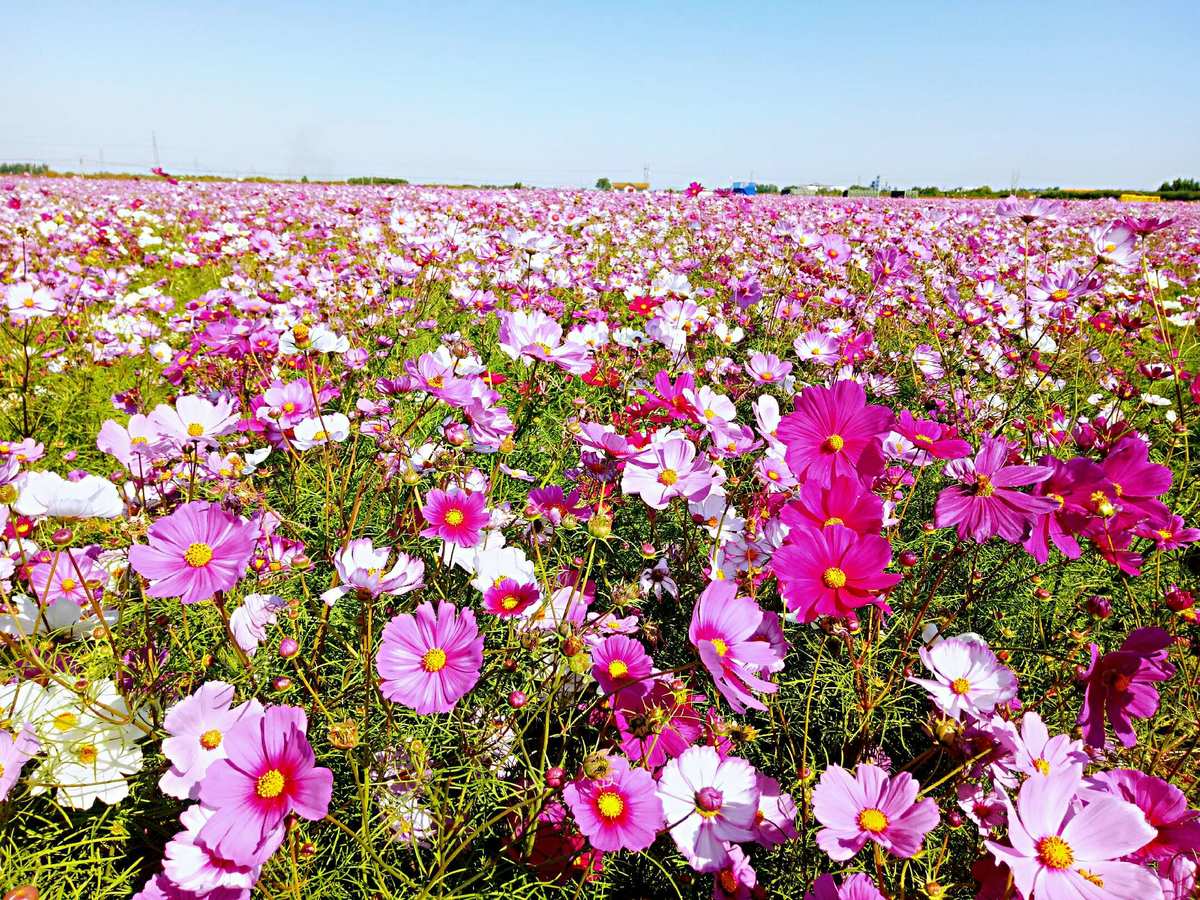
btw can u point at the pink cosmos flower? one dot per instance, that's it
(843, 502)
(429, 660)
(197, 727)
(195, 552)
(15, 751)
(775, 821)
(834, 432)
(983, 807)
(1164, 806)
(194, 420)
(656, 726)
(192, 867)
(854, 887)
(708, 801)
(71, 576)
(986, 503)
(737, 879)
(364, 569)
(870, 806)
(618, 811)
(249, 622)
(1121, 685)
(621, 666)
(833, 571)
(724, 631)
(1040, 755)
(270, 772)
(508, 597)
(1056, 856)
(967, 677)
(668, 470)
(455, 516)
(933, 438)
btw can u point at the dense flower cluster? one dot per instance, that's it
(635, 544)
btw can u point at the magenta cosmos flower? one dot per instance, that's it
(508, 597)
(429, 660)
(932, 438)
(725, 631)
(1164, 806)
(986, 504)
(195, 552)
(455, 516)
(1121, 685)
(617, 811)
(270, 772)
(833, 571)
(709, 802)
(621, 666)
(834, 432)
(870, 806)
(1055, 856)
(967, 677)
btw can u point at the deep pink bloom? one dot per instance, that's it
(844, 502)
(986, 504)
(835, 432)
(621, 665)
(708, 802)
(935, 439)
(737, 879)
(1054, 856)
(271, 771)
(655, 726)
(619, 811)
(1136, 483)
(723, 630)
(455, 516)
(508, 597)
(1121, 685)
(429, 660)
(1071, 486)
(1164, 806)
(870, 806)
(833, 571)
(195, 552)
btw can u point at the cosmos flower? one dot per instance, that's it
(1164, 806)
(429, 660)
(708, 802)
(833, 571)
(15, 751)
(455, 516)
(194, 420)
(1120, 685)
(1054, 856)
(249, 621)
(843, 502)
(363, 568)
(854, 887)
(870, 806)
(196, 727)
(621, 665)
(932, 438)
(195, 552)
(49, 494)
(270, 772)
(967, 677)
(724, 632)
(192, 867)
(508, 597)
(986, 503)
(657, 725)
(619, 810)
(834, 432)
(1040, 755)
(667, 470)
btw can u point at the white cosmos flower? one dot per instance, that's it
(49, 494)
(317, 430)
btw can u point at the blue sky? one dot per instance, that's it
(1069, 93)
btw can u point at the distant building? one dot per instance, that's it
(749, 188)
(630, 186)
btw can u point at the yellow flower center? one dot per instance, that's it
(872, 820)
(1103, 504)
(69, 584)
(65, 721)
(270, 784)
(289, 407)
(834, 443)
(434, 660)
(195, 429)
(720, 646)
(322, 435)
(211, 739)
(923, 438)
(960, 686)
(86, 754)
(668, 477)
(1042, 765)
(1054, 853)
(455, 517)
(198, 555)
(834, 578)
(984, 486)
(510, 602)
(834, 520)
(1060, 294)
(618, 669)
(610, 804)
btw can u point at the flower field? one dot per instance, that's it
(375, 541)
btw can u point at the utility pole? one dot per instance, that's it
(646, 173)
(154, 145)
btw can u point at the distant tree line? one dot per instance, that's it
(24, 169)
(370, 179)
(1180, 184)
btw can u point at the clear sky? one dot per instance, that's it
(1083, 94)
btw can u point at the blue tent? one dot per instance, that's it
(748, 188)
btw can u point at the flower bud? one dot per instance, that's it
(288, 647)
